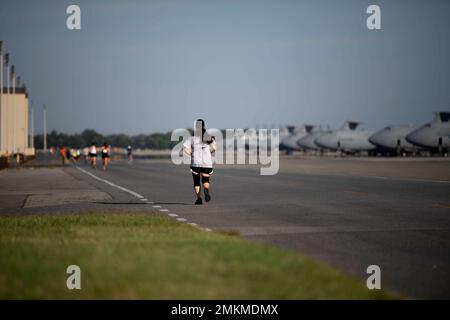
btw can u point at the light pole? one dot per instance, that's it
(31, 125)
(7, 104)
(44, 126)
(1, 96)
(23, 121)
(13, 80)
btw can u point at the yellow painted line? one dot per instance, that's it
(441, 205)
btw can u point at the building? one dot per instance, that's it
(14, 124)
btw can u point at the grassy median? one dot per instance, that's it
(150, 257)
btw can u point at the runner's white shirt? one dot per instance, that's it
(200, 152)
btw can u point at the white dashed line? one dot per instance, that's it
(140, 197)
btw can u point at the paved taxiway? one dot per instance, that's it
(350, 221)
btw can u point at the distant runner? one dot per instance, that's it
(200, 149)
(68, 154)
(93, 155)
(62, 153)
(105, 156)
(75, 154)
(130, 154)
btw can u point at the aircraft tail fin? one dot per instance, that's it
(443, 116)
(351, 125)
(309, 128)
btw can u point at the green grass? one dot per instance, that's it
(140, 256)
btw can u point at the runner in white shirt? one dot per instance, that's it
(93, 155)
(200, 148)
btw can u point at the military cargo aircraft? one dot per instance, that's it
(392, 139)
(290, 142)
(347, 139)
(434, 135)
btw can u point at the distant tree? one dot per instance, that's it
(91, 136)
(39, 141)
(76, 141)
(141, 141)
(119, 140)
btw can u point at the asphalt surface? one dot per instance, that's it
(350, 222)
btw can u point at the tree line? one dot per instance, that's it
(89, 136)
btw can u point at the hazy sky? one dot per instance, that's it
(147, 66)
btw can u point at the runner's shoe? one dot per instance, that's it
(207, 195)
